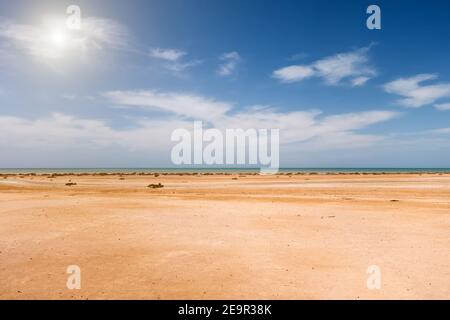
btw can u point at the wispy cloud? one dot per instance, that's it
(351, 67)
(173, 59)
(294, 73)
(179, 67)
(442, 106)
(181, 104)
(359, 81)
(440, 131)
(414, 93)
(230, 60)
(167, 54)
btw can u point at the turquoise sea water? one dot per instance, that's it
(215, 170)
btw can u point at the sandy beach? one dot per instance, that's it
(238, 236)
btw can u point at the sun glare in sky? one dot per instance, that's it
(58, 39)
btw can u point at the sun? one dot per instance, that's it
(56, 43)
(58, 39)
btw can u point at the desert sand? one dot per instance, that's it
(236, 236)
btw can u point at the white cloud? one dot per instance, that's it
(66, 140)
(308, 126)
(298, 126)
(61, 140)
(440, 131)
(181, 104)
(355, 121)
(173, 59)
(58, 130)
(62, 131)
(178, 67)
(352, 66)
(230, 60)
(308, 138)
(167, 54)
(294, 73)
(442, 106)
(359, 81)
(416, 95)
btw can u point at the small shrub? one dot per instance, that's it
(155, 186)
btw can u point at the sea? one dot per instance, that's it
(219, 170)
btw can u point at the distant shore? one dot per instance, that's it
(214, 171)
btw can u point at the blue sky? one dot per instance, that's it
(110, 94)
